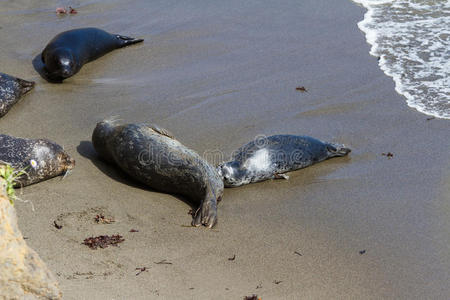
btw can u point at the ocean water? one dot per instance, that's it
(412, 40)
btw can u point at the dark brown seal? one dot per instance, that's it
(39, 159)
(154, 157)
(11, 91)
(67, 52)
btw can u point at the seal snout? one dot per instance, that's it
(66, 72)
(67, 162)
(70, 163)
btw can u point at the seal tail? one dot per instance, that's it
(25, 85)
(337, 150)
(126, 41)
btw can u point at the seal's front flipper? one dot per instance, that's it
(160, 130)
(280, 176)
(126, 41)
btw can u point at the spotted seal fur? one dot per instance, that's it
(152, 155)
(40, 159)
(270, 157)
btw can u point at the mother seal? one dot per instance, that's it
(270, 157)
(67, 52)
(154, 157)
(11, 90)
(40, 159)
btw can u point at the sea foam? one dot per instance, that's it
(412, 40)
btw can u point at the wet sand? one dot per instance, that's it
(217, 75)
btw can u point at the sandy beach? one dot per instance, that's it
(216, 75)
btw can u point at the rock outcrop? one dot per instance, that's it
(23, 274)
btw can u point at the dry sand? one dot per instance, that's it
(217, 75)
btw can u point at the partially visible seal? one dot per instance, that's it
(154, 157)
(67, 52)
(270, 157)
(11, 90)
(39, 159)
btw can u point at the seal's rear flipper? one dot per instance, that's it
(25, 85)
(280, 176)
(337, 150)
(126, 41)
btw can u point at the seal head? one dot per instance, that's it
(60, 63)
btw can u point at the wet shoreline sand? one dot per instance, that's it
(216, 76)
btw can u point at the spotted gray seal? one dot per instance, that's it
(40, 159)
(270, 157)
(154, 157)
(67, 52)
(11, 91)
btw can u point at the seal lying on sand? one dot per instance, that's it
(40, 159)
(270, 157)
(154, 157)
(11, 90)
(70, 50)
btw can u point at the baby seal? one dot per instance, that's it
(11, 90)
(270, 157)
(154, 157)
(67, 52)
(40, 159)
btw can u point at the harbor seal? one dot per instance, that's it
(151, 155)
(39, 159)
(270, 157)
(67, 52)
(11, 91)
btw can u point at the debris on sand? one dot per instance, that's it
(298, 253)
(103, 220)
(103, 241)
(232, 258)
(143, 269)
(64, 11)
(61, 10)
(134, 230)
(252, 297)
(389, 155)
(57, 226)
(163, 262)
(277, 281)
(362, 252)
(301, 89)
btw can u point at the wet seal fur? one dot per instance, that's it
(270, 157)
(154, 157)
(40, 159)
(11, 91)
(67, 52)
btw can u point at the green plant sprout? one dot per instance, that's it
(10, 176)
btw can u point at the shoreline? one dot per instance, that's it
(216, 76)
